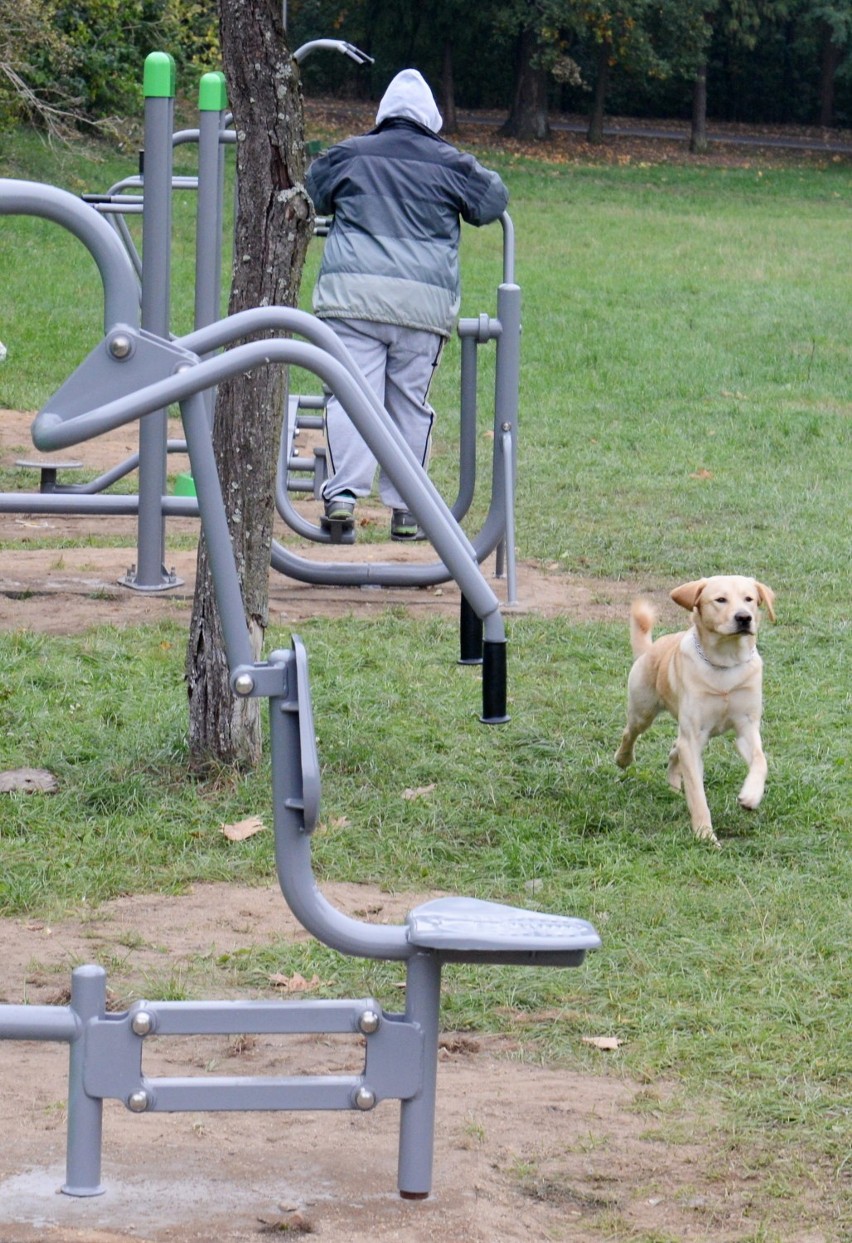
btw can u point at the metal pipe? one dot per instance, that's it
(58, 1023)
(509, 482)
(156, 296)
(50, 432)
(85, 1113)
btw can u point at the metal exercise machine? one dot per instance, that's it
(134, 372)
(149, 195)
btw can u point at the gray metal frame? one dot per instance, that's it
(136, 372)
(498, 529)
(400, 1049)
(152, 505)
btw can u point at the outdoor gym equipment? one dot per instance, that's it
(149, 195)
(134, 372)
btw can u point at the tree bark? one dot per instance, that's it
(830, 56)
(596, 115)
(271, 233)
(528, 117)
(448, 89)
(698, 143)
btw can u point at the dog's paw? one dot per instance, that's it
(750, 799)
(704, 833)
(623, 757)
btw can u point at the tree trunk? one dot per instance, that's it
(830, 56)
(596, 116)
(271, 234)
(698, 143)
(448, 90)
(528, 116)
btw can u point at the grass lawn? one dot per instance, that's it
(684, 411)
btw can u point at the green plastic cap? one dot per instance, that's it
(158, 81)
(212, 92)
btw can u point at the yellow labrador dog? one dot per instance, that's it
(709, 678)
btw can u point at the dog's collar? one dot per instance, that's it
(700, 650)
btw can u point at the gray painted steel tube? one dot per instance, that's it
(99, 504)
(85, 1113)
(58, 1023)
(229, 599)
(50, 432)
(289, 319)
(293, 854)
(417, 1114)
(156, 296)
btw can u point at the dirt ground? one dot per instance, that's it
(64, 591)
(523, 1151)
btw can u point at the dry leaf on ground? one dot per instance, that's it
(603, 1042)
(241, 829)
(295, 983)
(419, 791)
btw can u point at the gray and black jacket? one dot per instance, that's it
(397, 194)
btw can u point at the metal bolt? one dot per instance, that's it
(364, 1099)
(368, 1022)
(244, 684)
(138, 1102)
(120, 345)
(142, 1023)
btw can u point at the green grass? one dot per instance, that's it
(684, 410)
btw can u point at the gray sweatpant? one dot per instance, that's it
(398, 364)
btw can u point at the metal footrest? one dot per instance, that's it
(471, 930)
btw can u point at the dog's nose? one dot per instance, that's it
(743, 620)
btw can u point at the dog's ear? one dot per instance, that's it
(687, 594)
(766, 595)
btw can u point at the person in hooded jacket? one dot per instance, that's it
(389, 279)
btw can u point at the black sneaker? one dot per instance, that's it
(340, 511)
(404, 526)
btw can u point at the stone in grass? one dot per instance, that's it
(28, 781)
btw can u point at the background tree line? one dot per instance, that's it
(761, 61)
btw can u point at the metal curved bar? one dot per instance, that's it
(294, 520)
(52, 431)
(119, 471)
(288, 727)
(302, 53)
(508, 249)
(318, 333)
(302, 569)
(32, 198)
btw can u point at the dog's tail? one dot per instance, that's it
(642, 618)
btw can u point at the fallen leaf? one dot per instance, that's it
(603, 1042)
(242, 829)
(701, 474)
(295, 983)
(419, 791)
(339, 822)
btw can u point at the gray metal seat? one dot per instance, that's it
(470, 930)
(444, 930)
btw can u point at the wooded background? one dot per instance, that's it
(759, 61)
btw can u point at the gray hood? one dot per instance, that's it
(409, 96)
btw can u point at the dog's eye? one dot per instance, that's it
(721, 599)
(749, 599)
